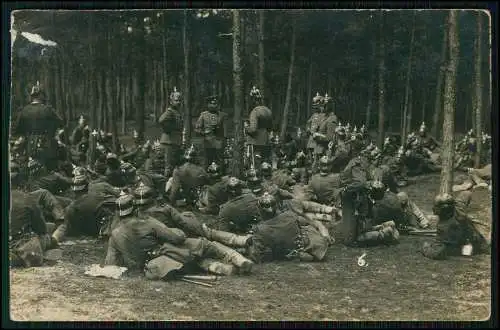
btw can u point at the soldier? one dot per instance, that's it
(455, 232)
(280, 177)
(240, 211)
(80, 133)
(427, 141)
(413, 216)
(259, 125)
(341, 155)
(360, 226)
(154, 166)
(285, 235)
(114, 174)
(28, 233)
(211, 125)
(325, 186)
(40, 124)
(300, 173)
(187, 179)
(91, 210)
(326, 130)
(139, 153)
(312, 127)
(477, 178)
(41, 178)
(171, 138)
(381, 172)
(215, 193)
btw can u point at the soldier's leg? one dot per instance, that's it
(217, 267)
(384, 233)
(226, 238)
(112, 254)
(49, 202)
(170, 159)
(229, 255)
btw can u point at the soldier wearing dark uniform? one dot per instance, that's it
(171, 138)
(91, 211)
(215, 193)
(40, 124)
(155, 166)
(360, 224)
(187, 179)
(211, 125)
(300, 172)
(312, 128)
(40, 178)
(81, 132)
(326, 130)
(281, 177)
(285, 235)
(259, 124)
(325, 186)
(139, 153)
(341, 154)
(455, 230)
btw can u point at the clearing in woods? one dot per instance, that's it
(397, 284)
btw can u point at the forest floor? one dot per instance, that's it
(398, 284)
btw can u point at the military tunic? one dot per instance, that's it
(171, 137)
(324, 189)
(188, 177)
(211, 125)
(260, 123)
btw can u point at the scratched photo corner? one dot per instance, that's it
(250, 165)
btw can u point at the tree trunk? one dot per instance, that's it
(262, 60)
(409, 117)
(424, 105)
(309, 89)
(238, 95)
(141, 82)
(449, 105)
(407, 120)
(92, 83)
(372, 87)
(381, 84)
(187, 83)
(286, 110)
(439, 87)
(478, 91)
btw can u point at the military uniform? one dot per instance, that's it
(39, 123)
(260, 122)
(324, 189)
(28, 232)
(214, 195)
(454, 230)
(55, 182)
(238, 214)
(171, 137)
(188, 177)
(211, 125)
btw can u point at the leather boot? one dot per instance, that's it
(226, 238)
(231, 256)
(390, 234)
(370, 237)
(59, 233)
(217, 267)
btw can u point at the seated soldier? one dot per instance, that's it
(240, 211)
(382, 172)
(280, 177)
(455, 232)
(325, 186)
(477, 178)
(286, 235)
(300, 173)
(360, 226)
(187, 180)
(91, 210)
(214, 193)
(413, 216)
(29, 234)
(41, 178)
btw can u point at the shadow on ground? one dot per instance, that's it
(397, 284)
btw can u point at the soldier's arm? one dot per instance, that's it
(166, 234)
(314, 207)
(130, 155)
(200, 124)
(164, 117)
(309, 193)
(37, 221)
(285, 194)
(63, 180)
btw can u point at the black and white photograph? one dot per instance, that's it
(250, 165)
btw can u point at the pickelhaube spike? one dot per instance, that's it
(355, 130)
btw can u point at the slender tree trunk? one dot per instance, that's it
(298, 118)
(408, 80)
(238, 95)
(141, 59)
(372, 86)
(424, 105)
(449, 105)
(381, 84)
(262, 60)
(309, 89)
(439, 88)
(478, 91)
(410, 113)
(286, 110)
(187, 84)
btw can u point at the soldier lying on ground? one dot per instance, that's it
(455, 230)
(138, 241)
(40, 178)
(360, 226)
(477, 178)
(280, 177)
(285, 235)
(91, 211)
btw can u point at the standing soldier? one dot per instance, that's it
(40, 124)
(259, 124)
(211, 125)
(171, 138)
(312, 127)
(326, 130)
